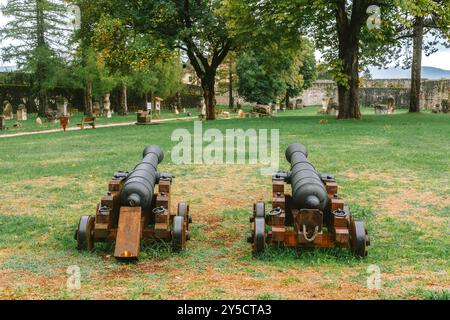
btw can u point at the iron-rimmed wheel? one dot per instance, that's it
(260, 210)
(183, 211)
(358, 239)
(259, 241)
(85, 237)
(178, 234)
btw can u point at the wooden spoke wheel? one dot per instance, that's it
(84, 235)
(259, 241)
(359, 239)
(178, 234)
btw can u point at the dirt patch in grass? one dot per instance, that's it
(410, 279)
(414, 204)
(305, 284)
(47, 182)
(406, 200)
(218, 195)
(30, 196)
(22, 285)
(392, 177)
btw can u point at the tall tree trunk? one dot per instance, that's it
(287, 100)
(230, 85)
(178, 104)
(152, 100)
(416, 72)
(41, 67)
(349, 93)
(88, 99)
(348, 34)
(123, 99)
(43, 101)
(146, 100)
(209, 93)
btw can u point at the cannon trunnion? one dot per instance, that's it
(132, 212)
(313, 216)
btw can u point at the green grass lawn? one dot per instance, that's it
(393, 172)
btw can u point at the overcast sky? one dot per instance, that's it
(440, 59)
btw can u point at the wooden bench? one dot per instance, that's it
(87, 121)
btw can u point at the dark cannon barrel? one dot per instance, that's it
(139, 186)
(308, 190)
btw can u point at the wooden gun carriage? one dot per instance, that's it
(313, 216)
(131, 212)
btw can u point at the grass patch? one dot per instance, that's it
(392, 171)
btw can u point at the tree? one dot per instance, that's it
(360, 36)
(270, 52)
(39, 32)
(307, 71)
(87, 73)
(257, 83)
(260, 82)
(226, 78)
(110, 40)
(342, 29)
(416, 20)
(162, 78)
(125, 51)
(195, 27)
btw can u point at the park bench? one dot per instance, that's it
(87, 121)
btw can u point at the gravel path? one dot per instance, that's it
(99, 126)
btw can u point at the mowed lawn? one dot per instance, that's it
(393, 172)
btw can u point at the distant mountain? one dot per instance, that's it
(430, 73)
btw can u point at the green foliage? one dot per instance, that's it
(162, 78)
(437, 28)
(260, 82)
(85, 70)
(264, 30)
(256, 84)
(39, 34)
(305, 63)
(35, 24)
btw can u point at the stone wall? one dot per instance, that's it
(378, 91)
(372, 92)
(321, 89)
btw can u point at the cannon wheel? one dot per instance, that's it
(259, 243)
(259, 232)
(183, 211)
(358, 241)
(260, 210)
(85, 239)
(178, 234)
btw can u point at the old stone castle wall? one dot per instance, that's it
(378, 91)
(372, 92)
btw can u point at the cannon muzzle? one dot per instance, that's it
(308, 190)
(139, 186)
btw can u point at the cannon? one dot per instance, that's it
(131, 212)
(312, 216)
